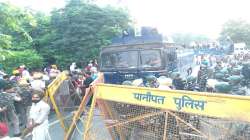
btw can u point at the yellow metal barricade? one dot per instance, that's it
(133, 113)
(50, 95)
(82, 107)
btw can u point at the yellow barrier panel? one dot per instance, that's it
(207, 104)
(82, 107)
(51, 90)
(52, 87)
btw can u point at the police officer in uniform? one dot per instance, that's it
(150, 81)
(203, 76)
(178, 82)
(191, 83)
(234, 82)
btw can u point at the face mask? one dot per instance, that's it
(35, 101)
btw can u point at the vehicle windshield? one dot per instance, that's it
(127, 59)
(150, 58)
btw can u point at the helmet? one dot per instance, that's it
(235, 79)
(219, 76)
(236, 71)
(150, 81)
(223, 87)
(224, 71)
(175, 74)
(204, 62)
(128, 83)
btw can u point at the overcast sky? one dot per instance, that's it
(169, 16)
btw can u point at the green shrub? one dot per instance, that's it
(29, 58)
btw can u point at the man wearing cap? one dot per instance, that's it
(38, 117)
(4, 130)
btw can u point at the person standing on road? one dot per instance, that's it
(203, 76)
(38, 117)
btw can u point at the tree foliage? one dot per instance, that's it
(15, 40)
(237, 30)
(14, 23)
(17, 58)
(73, 33)
(80, 29)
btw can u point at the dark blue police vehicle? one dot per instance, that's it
(130, 58)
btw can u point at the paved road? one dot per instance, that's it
(98, 131)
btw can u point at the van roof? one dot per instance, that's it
(137, 46)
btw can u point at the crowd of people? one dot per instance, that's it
(21, 94)
(22, 106)
(228, 74)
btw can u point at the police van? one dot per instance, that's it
(132, 58)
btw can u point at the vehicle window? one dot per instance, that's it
(151, 58)
(127, 59)
(108, 60)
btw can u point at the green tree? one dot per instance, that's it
(43, 36)
(28, 57)
(15, 41)
(13, 24)
(237, 30)
(73, 33)
(79, 30)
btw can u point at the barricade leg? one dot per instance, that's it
(80, 110)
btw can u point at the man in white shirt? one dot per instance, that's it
(38, 117)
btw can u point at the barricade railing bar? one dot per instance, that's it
(175, 114)
(82, 107)
(49, 94)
